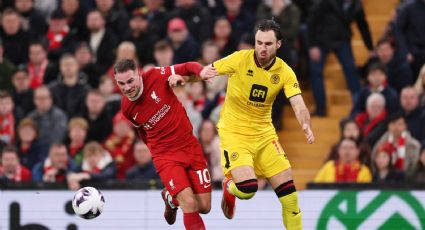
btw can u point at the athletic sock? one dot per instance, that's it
(245, 189)
(291, 212)
(193, 221)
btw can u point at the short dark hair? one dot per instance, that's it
(124, 65)
(9, 148)
(384, 40)
(39, 43)
(395, 117)
(266, 25)
(4, 94)
(162, 45)
(377, 66)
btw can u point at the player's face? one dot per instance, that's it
(266, 46)
(129, 83)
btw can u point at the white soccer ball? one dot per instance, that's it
(88, 203)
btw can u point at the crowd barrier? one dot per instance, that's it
(343, 208)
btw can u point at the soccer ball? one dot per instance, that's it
(88, 203)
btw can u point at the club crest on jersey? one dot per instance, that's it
(146, 126)
(274, 79)
(234, 156)
(155, 97)
(171, 183)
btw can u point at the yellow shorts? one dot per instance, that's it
(264, 154)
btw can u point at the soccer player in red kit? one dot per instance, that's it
(162, 122)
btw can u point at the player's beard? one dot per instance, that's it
(267, 59)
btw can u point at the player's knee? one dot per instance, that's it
(189, 204)
(204, 208)
(248, 188)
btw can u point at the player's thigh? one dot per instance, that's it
(271, 159)
(199, 175)
(174, 177)
(187, 200)
(236, 157)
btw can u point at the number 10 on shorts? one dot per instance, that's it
(204, 176)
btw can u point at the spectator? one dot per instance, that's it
(414, 115)
(102, 41)
(50, 120)
(241, 19)
(156, 15)
(223, 36)
(116, 18)
(120, 144)
(106, 88)
(84, 56)
(329, 30)
(30, 149)
(350, 129)
(184, 46)
(288, 15)
(377, 79)
(196, 17)
(410, 34)
(98, 166)
(22, 93)
(7, 119)
(15, 39)
(142, 37)
(419, 177)
(69, 93)
(98, 117)
(10, 169)
(197, 95)
(406, 149)
(194, 116)
(398, 70)
(420, 86)
(372, 122)
(40, 69)
(384, 171)
(46, 7)
(56, 166)
(76, 17)
(163, 53)
(32, 20)
(77, 134)
(7, 68)
(144, 170)
(60, 38)
(246, 42)
(347, 168)
(211, 146)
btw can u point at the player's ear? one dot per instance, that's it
(278, 43)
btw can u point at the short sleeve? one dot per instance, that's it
(229, 64)
(291, 87)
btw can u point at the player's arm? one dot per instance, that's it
(190, 72)
(303, 116)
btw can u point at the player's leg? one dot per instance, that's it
(204, 202)
(273, 164)
(244, 183)
(285, 190)
(189, 204)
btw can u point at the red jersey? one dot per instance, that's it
(159, 116)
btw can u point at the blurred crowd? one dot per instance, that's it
(60, 119)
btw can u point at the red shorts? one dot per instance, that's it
(184, 168)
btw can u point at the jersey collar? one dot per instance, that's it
(265, 68)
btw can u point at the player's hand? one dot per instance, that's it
(208, 72)
(308, 133)
(315, 54)
(175, 80)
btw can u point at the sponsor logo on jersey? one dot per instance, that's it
(250, 73)
(155, 97)
(274, 79)
(258, 93)
(156, 118)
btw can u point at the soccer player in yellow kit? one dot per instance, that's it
(249, 144)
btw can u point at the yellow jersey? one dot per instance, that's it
(251, 91)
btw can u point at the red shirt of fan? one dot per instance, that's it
(159, 116)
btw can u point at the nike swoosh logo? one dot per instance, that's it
(207, 185)
(135, 116)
